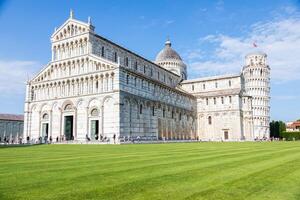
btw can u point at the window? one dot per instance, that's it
(135, 65)
(229, 83)
(144, 69)
(209, 120)
(230, 99)
(102, 51)
(115, 57)
(222, 100)
(216, 84)
(215, 101)
(95, 112)
(153, 110)
(206, 101)
(193, 87)
(179, 116)
(126, 61)
(97, 84)
(151, 72)
(127, 79)
(68, 107)
(134, 81)
(172, 114)
(158, 75)
(203, 86)
(164, 112)
(45, 116)
(141, 109)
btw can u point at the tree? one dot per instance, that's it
(276, 128)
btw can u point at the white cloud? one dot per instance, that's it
(13, 75)
(279, 38)
(169, 22)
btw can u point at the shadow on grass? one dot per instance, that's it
(2, 146)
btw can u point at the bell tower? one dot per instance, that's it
(256, 73)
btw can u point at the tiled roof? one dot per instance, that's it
(11, 117)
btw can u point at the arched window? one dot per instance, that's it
(115, 57)
(153, 110)
(230, 99)
(95, 112)
(97, 84)
(215, 100)
(102, 52)
(206, 101)
(127, 79)
(141, 109)
(45, 116)
(135, 65)
(222, 100)
(209, 120)
(68, 107)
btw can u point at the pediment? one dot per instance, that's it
(70, 28)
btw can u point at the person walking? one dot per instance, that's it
(114, 138)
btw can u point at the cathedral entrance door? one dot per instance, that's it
(45, 129)
(68, 129)
(94, 129)
(226, 136)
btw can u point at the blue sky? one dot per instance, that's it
(211, 36)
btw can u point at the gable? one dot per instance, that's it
(71, 28)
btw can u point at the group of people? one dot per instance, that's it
(101, 139)
(11, 140)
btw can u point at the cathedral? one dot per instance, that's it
(94, 89)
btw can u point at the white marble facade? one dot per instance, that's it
(95, 88)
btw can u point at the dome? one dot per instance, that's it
(167, 53)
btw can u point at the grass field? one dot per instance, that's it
(152, 171)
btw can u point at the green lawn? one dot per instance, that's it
(152, 171)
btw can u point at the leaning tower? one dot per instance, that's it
(256, 75)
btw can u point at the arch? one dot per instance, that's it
(108, 117)
(68, 104)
